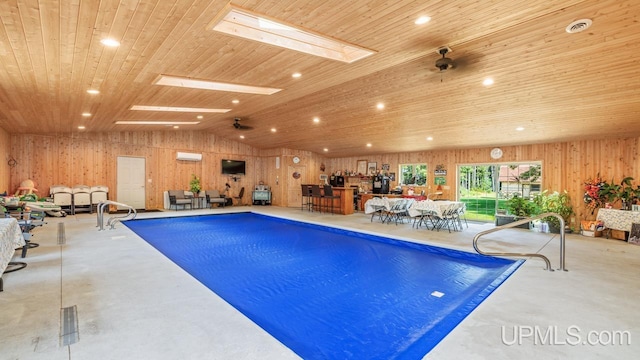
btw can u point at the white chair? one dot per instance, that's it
(99, 193)
(62, 196)
(81, 198)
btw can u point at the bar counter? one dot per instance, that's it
(344, 205)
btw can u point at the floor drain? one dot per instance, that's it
(61, 237)
(69, 326)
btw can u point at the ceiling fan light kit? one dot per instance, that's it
(237, 125)
(444, 63)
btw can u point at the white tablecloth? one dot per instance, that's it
(10, 239)
(376, 203)
(429, 206)
(618, 219)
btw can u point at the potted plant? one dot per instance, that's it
(516, 208)
(556, 202)
(626, 193)
(521, 207)
(194, 185)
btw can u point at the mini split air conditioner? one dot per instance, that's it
(188, 156)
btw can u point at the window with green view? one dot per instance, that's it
(413, 174)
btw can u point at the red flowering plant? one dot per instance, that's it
(594, 195)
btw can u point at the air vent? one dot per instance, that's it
(578, 26)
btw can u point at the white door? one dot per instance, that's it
(130, 181)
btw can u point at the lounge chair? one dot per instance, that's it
(213, 197)
(178, 197)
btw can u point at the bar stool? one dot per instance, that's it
(306, 193)
(316, 194)
(328, 194)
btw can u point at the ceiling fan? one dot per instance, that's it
(444, 63)
(237, 125)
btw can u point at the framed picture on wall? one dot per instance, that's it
(372, 166)
(440, 180)
(385, 167)
(361, 167)
(392, 176)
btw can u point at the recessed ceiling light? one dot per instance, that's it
(177, 109)
(380, 106)
(86, 114)
(235, 101)
(487, 82)
(241, 136)
(369, 145)
(252, 26)
(429, 138)
(578, 26)
(176, 127)
(519, 128)
(325, 149)
(110, 42)
(146, 122)
(93, 91)
(200, 117)
(296, 75)
(273, 129)
(81, 127)
(213, 85)
(316, 119)
(422, 20)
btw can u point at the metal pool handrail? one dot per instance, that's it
(520, 222)
(112, 220)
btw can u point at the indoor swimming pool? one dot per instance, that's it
(329, 293)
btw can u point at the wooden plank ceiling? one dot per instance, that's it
(557, 86)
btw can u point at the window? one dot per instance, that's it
(413, 174)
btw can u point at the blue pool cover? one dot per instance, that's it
(328, 293)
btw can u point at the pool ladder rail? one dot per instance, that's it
(111, 222)
(521, 222)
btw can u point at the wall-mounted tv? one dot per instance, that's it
(233, 167)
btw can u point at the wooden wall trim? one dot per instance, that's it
(90, 159)
(5, 155)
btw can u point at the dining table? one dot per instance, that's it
(429, 210)
(10, 239)
(618, 219)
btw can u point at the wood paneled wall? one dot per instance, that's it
(90, 159)
(565, 165)
(5, 150)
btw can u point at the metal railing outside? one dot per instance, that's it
(520, 222)
(111, 222)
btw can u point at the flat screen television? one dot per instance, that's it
(233, 167)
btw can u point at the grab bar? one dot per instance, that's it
(111, 222)
(521, 222)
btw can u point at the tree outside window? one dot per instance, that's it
(413, 174)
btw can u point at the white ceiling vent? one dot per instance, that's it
(578, 26)
(188, 156)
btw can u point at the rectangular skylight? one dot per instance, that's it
(178, 109)
(145, 122)
(213, 85)
(252, 26)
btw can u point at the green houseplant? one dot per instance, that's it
(626, 193)
(521, 207)
(517, 208)
(194, 185)
(556, 202)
